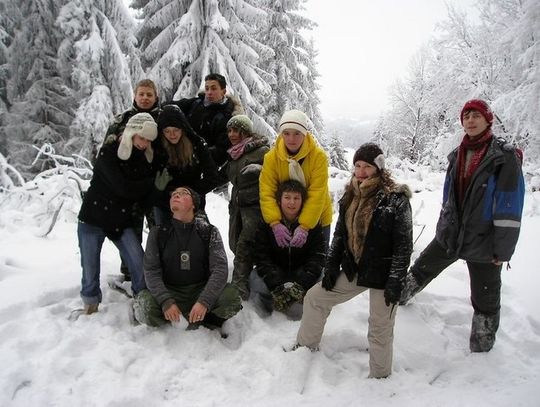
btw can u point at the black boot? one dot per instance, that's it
(483, 331)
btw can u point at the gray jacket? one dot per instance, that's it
(488, 225)
(217, 266)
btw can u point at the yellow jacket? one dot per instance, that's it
(318, 205)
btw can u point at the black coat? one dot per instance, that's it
(387, 246)
(201, 175)
(277, 265)
(115, 187)
(210, 122)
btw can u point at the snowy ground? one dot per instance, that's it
(102, 360)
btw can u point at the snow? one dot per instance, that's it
(103, 360)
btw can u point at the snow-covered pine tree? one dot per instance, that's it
(40, 105)
(293, 65)
(102, 61)
(183, 41)
(516, 24)
(336, 153)
(10, 17)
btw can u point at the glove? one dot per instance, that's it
(286, 294)
(329, 280)
(282, 234)
(391, 296)
(296, 292)
(299, 237)
(162, 180)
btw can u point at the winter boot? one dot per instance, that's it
(483, 331)
(90, 308)
(125, 272)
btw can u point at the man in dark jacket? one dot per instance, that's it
(185, 267)
(122, 178)
(282, 275)
(479, 221)
(208, 114)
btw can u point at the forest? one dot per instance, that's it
(68, 66)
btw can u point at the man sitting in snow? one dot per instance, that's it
(185, 267)
(282, 275)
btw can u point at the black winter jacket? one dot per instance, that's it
(201, 175)
(387, 246)
(115, 187)
(277, 265)
(210, 122)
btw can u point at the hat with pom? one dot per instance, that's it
(370, 153)
(241, 122)
(480, 106)
(143, 125)
(294, 119)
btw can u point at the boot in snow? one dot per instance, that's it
(483, 331)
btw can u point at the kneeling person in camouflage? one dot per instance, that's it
(185, 267)
(284, 273)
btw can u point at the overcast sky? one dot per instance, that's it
(364, 45)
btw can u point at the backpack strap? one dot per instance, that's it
(506, 146)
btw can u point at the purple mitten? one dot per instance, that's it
(299, 237)
(282, 234)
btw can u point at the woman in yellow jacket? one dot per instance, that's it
(296, 155)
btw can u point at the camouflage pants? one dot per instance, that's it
(243, 227)
(149, 312)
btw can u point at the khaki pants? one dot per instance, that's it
(318, 304)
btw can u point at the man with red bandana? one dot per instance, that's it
(479, 221)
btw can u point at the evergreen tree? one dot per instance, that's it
(100, 59)
(40, 105)
(183, 41)
(293, 63)
(336, 154)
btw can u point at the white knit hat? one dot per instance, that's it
(142, 124)
(294, 119)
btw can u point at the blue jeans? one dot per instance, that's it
(91, 240)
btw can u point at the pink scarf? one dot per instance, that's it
(237, 150)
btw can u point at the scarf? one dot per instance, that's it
(296, 172)
(237, 150)
(470, 154)
(359, 212)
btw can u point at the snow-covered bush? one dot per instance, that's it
(39, 202)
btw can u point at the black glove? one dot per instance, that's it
(391, 295)
(329, 280)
